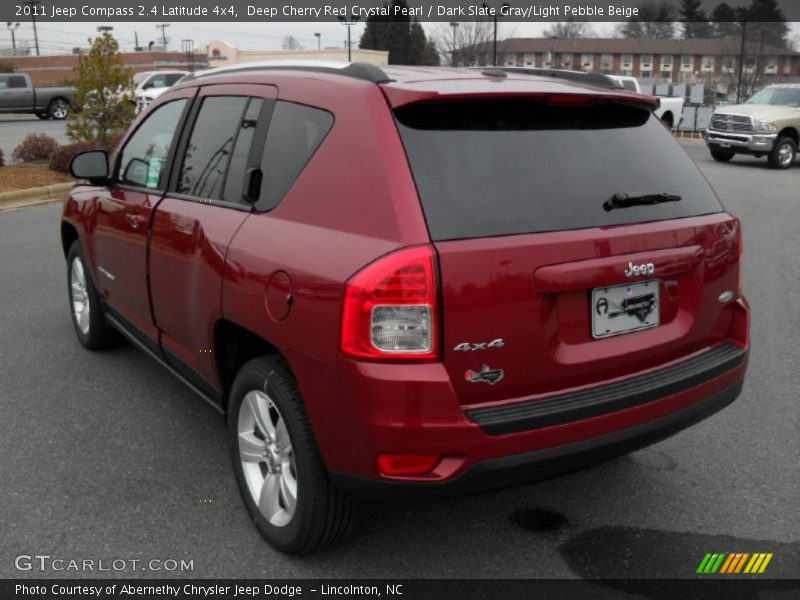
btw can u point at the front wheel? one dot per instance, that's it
(58, 109)
(720, 156)
(278, 467)
(783, 153)
(85, 306)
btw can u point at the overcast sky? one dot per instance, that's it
(62, 37)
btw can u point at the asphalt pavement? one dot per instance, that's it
(106, 456)
(14, 129)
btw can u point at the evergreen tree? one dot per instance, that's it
(695, 24)
(405, 41)
(724, 21)
(103, 85)
(655, 20)
(768, 23)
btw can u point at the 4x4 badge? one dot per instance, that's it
(485, 375)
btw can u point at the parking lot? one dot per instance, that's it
(105, 455)
(14, 128)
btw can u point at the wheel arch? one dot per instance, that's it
(69, 235)
(234, 346)
(790, 132)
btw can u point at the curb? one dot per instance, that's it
(33, 196)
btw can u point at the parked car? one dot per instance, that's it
(151, 84)
(671, 109)
(768, 124)
(404, 282)
(18, 95)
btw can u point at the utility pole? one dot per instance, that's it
(505, 5)
(33, 4)
(319, 40)
(454, 26)
(741, 62)
(349, 22)
(13, 28)
(163, 28)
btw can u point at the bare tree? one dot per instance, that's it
(291, 43)
(569, 29)
(655, 20)
(463, 43)
(743, 80)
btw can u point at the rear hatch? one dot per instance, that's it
(542, 278)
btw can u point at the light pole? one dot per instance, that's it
(349, 22)
(505, 5)
(319, 40)
(13, 28)
(33, 4)
(454, 26)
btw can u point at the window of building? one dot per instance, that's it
(627, 60)
(295, 133)
(511, 59)
(687, 62)
(666, 61)
(708, 63)
(607, 63)
(143, 160)
(587, 61)
(646, 61)
(566, 60)
(528, 59)
(728, 63)
(749, 62)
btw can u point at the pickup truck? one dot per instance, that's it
(768, 124)
(18, 95)
(671, 109)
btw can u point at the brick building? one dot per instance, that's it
(662, 60)
(55, 69)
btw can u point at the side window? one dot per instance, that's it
(17, 81)
(210, 145)
(143, 160)
(3, 82)
(295, 133)
(235, 181)
(172, 78)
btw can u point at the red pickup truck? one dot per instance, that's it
(410, 281)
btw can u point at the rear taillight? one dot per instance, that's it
(391, 308)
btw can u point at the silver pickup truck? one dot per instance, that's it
(17, 95)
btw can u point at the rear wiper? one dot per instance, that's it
(624, 200)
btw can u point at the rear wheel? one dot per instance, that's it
(721, 156)
(783, 153)
(278, 467)
(58, 109)
(85, 306)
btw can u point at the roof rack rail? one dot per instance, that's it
(356, 70)
(595, 79)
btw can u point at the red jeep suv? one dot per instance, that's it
(410, 281)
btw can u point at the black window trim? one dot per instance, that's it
(263, 124)
(170, 159)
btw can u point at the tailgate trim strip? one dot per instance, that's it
(592, 402)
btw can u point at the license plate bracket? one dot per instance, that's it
(621, 309)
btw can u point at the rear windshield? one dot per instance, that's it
(502, 167)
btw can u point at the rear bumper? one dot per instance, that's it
(542, 464)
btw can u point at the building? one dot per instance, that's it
(222, 53)
(713, 61)
(56, 69)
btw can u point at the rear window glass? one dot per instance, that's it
(502, 167)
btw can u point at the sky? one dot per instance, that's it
(58, 38)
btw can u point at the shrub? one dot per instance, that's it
(37, 146)
(59, 160)
(2, 159)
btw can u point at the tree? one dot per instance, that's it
(291, 43)
(766, 21)
(104, 85)
(655, 20)
(569, 29)
(465, 43)
(405, 41)
(725, 21)
(693, 17)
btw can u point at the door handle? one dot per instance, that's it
(136, 221)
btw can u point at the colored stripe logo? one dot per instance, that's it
(734, 563)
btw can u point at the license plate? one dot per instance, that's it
(725, 144)
(624, 308)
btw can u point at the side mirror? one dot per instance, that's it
(91, 165)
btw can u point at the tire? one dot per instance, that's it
(58, 109)
(720, 156)
(783, 153)
(43, 116)
(86, 309)
(265, 398)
